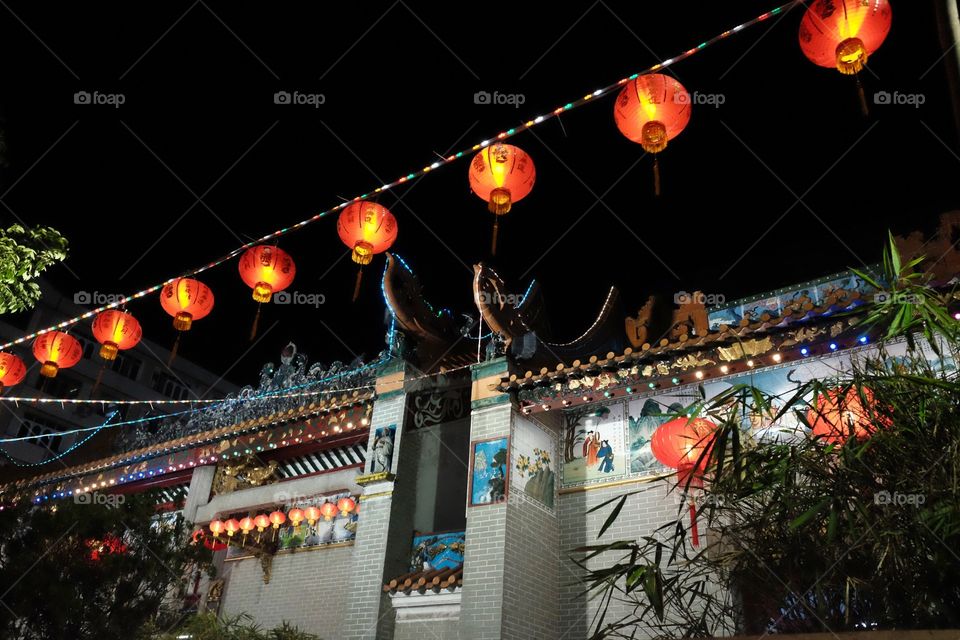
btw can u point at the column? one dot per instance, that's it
(369, 614)
(510, 575)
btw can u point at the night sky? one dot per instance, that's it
(199, 158)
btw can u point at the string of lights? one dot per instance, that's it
(414, 175)
(280, 393)
(74, 446)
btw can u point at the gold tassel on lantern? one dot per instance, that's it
(362, 255)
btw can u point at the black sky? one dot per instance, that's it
(399, 79)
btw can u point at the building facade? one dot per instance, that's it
(451, 491)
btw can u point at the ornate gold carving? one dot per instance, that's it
(648, 371)
(692, 360)
(836, 329)
(806, 334)
(745, 349)
(690, 317)
(369, 478)
(638, 328)
(243, 474)
(663, 368)
(215, 591)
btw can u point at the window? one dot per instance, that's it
(127, 366)
(34, 425)
(169, 386)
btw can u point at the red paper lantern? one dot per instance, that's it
(115, 330)
(841, 413)
(844, 33)
(186, 300)
(56, 350)
(683, 444)
(329, 510)
(312, 514)
(231, 526)
(367, 228)
(216, 528)
(12, 370)
(262, 521)
(651, 110)
(346, 505)
(266, 270)
(277, 518)
(501, 174)
(246, 525)
(296, 516)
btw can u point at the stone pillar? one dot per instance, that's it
(369, 614)
(510, 576)
(201, 482)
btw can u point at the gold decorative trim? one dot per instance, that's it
(380, 494)
(370, 478)
(616, 483)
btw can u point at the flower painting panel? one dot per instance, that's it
(533, 462)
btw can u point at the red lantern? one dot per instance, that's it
(684, 444)
(346, 505)
(266, 270)
(186, 300)
(312, 514)
(368, 229)
(277, 518)
(296, 516)
(652, 110)
(262, 522)
(844, 33)
(12, 370)
(329, 510)
(840, 414)
(246, 525)
(501, 174)
(115, 330)
(56, 350)
(216, 528)
(231, 526)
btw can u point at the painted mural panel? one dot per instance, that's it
(594, 445)
(490, 471)
(533, 461)
(645, 414)
(432, 551)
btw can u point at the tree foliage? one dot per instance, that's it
(89, 571)
(802, 535)
(24, 255)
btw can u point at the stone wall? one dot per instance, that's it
(641, 515)
(307, 588)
